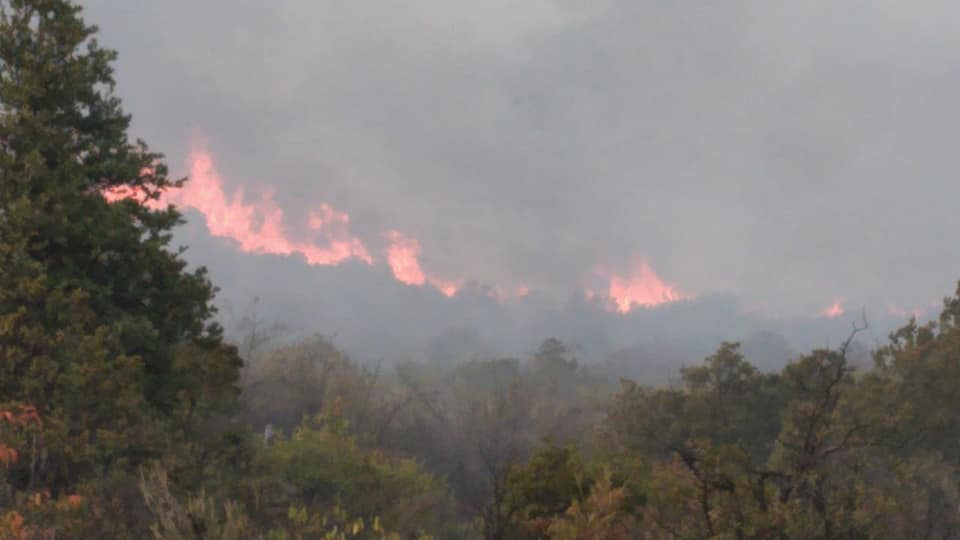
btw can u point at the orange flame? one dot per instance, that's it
(835, 310)
(119, 193)
(643, 287)
(403, 256)
(258, 226)
(446, 287)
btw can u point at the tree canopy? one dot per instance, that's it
(102, 328)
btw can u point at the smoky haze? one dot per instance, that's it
(768, 158)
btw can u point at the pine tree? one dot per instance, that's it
(102, 328)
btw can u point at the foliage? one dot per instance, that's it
(102, 329)
(202, 517)
(321, 467)
(599, 517)
(550, 482)
(305, 379)
(812, 452)
(197, 517)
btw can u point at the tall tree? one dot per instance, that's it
(102, 329)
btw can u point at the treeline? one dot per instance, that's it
(539, 448)
(318, 446)
(125, 414)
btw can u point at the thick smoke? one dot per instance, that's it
(786, 155)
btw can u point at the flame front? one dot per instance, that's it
(256, 227)
(259, 226)
(643, 287)
(403, 256)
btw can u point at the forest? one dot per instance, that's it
(126, 413)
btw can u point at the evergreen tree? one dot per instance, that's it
(102, 328)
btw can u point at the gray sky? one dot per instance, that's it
(785, 152)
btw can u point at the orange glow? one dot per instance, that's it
(323, 237)
(403, 256)
(835, 309)
(257, 227)
(447, 288)
(643, 287)
(119, 193)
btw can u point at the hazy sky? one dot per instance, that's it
(786, 152)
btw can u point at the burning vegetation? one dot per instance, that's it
(125, 413)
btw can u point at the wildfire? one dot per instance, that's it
(835, 310)
(446, 287)
(643, 287)
(403, 256)
(120, 193)
(258, 226)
